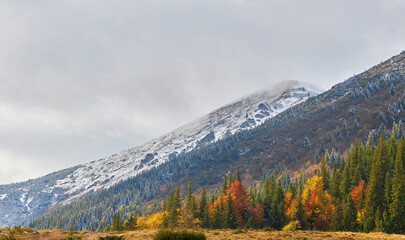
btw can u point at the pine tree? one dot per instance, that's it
(337, 219)
(325, 173)
(349, 215)
(346, 182)
(375, 199)
(397, 206)
(238, 176)
(357, 166)
(177, 199)
(203, 209)
(301, 212)
(116, 223)
(335, 188)
(392, 149)
(219, 213)
(230, 218)
(230, 181)
(225, 186)
(388, 190)
(190, 201)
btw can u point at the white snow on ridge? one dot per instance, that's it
(2, 196)
(244, 113)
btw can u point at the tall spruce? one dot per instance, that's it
(325, 173)
(357, 166)
(190, 200)
(397, 206)
(230, 181)
(375, 199)
(203, 209)
(335, 184)
(230, 218)
(225, 185)
(346, 182)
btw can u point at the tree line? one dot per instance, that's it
(364, 191)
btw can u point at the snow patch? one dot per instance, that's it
(2, 196)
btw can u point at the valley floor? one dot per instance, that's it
(225, 235)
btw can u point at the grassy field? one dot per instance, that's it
(219, 235)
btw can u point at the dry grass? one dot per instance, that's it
(225, 235)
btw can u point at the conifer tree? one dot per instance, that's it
(349, 215)
(357, 166)
(230, 218)
(346, 182)
(225, 186)
(301, 212)
(337, 219)
(177, 199)
(278, 206)
(116, 223)
(325, 173)
(397, 206)
(190, 200)
(230, 180)
(238, 176)
(203, 209)
(335, 182)
(392, 149)
(219, 213)
(388, 190)
(376, 194)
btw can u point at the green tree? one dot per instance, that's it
(349, 215)
(203, 209)
(117, 224)
(190, 201)
(325, 173)
(225, 186)
(238, 176)
(357, 165)
(375, 199)
(230, 218)
(345, 183)
(335, 182)
(397, 206)
(218, 218)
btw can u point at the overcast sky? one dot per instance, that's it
(81, 80)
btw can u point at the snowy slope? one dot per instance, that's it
(245, 113)
(69, 184)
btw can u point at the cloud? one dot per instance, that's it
(83, 79)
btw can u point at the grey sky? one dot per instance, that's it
(80, 80)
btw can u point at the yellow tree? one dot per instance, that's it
(318, 204)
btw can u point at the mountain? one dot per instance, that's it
(361, 108)
(22, 202)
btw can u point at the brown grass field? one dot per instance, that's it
(219, 235)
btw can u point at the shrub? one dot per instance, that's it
(111, 237)
(292, 226)
(165, 234)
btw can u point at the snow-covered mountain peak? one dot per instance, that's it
(245, 113)
(27, 200)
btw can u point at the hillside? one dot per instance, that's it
(370, 101)
(21, 202)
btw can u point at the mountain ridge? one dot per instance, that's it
(302, 133)
(28, 199)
